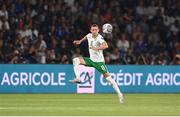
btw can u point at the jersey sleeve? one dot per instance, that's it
(101, 39)
(88, 35)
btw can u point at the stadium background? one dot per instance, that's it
(42, 31)
(145, 38)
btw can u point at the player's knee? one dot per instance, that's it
(106, 75)
(76, 61)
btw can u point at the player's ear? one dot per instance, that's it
(98, 29)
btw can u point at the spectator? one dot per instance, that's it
(140, 46)
(51, 56)
(42, 31)
(4, 24)
(77, 53)
(140, 9)
(123, 43)
(41, 49)
(129, 58)
(107, 57)
(115, 56)
(141, 60)
(176, 60)
(4, 12)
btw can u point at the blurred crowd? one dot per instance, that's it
(145, 32)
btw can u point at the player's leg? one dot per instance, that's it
(101, 67)
(76, 62)
(115, 86)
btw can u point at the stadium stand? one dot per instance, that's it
(145, 32)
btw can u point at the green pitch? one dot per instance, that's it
(89, 104)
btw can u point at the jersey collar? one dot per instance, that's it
(96, 36)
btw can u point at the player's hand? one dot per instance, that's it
(77, 42)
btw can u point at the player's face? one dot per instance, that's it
(94, 30)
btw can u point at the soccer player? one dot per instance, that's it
(96, 45)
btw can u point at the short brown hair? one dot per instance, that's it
(94, 25)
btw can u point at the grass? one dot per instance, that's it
(88, 104)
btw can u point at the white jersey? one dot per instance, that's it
(95, 55)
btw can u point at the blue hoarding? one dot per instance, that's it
(36, 78)
(142, 79)
(54, 79)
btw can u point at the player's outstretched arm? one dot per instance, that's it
(103, 46)
(78, 42)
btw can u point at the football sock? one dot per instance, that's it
(114, 85)
(76, 63)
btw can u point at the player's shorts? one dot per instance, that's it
(100, 66)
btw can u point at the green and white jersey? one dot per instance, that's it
(95, 55)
